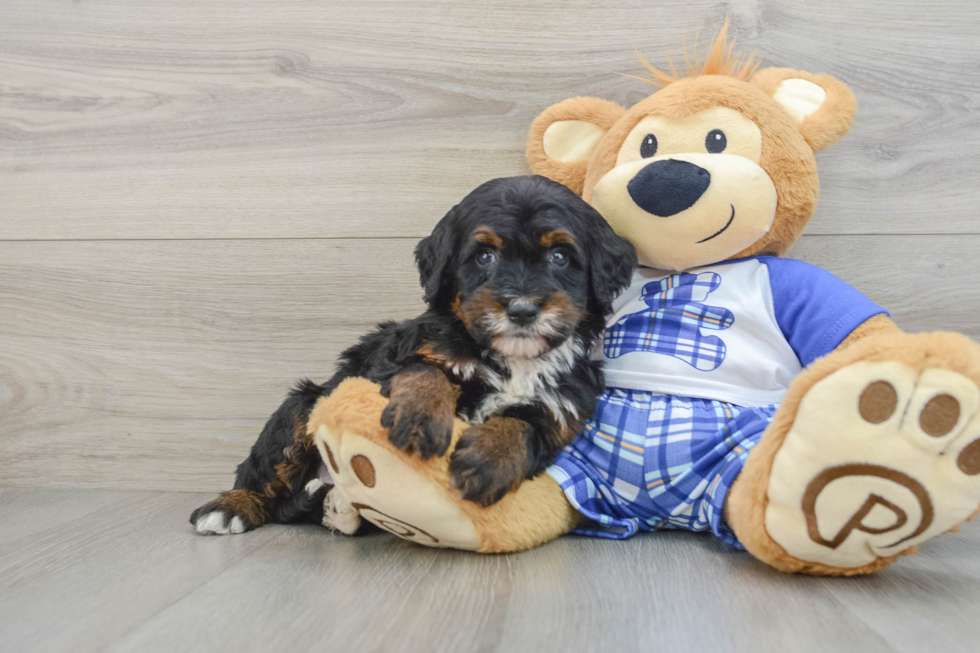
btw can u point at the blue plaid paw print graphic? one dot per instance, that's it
(674, 322)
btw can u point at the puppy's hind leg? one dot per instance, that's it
(274, 483)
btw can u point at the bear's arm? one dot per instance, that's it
(816, 311)
(874, 325)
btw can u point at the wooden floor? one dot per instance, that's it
(202, 201)
(103, 570)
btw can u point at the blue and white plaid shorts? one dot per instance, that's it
(648, 461)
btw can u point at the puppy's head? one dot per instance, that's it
(524, 263)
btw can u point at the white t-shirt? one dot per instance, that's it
(737, 332)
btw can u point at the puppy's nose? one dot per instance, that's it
(522, 313)
(669, 186)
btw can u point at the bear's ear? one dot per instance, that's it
(563, 136)
(823, 107)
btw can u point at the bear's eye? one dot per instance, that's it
(716, 141)
(649, 146)
(486, 258)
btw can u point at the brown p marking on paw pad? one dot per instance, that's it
(940, 415)
(878, 402)
(969, 459)
(828, 476)
(363, 469)
(394, 526)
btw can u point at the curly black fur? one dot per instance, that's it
(488, 252)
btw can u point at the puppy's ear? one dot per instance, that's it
(434, 258)
(612, 260)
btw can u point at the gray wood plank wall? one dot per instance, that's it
(201, 202)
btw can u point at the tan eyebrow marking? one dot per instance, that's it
(556, 237)
(487, 236)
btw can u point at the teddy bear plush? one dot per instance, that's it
(757, 397)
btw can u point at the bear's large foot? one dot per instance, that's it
(882, 454)
(375, 480)
(414, 498)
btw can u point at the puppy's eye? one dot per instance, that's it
(716, 141)
(649, 146)
(486, 259)
(558, 258)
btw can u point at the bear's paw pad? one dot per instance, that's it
(879, 459)
(392, 490)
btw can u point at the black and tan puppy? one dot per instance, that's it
(519, 278)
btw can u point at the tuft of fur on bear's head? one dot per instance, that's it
(722, 59)
(713, 166)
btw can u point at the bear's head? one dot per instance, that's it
(717, 165)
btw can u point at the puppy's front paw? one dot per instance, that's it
(415, 431)
(419, 415)
(490, 460)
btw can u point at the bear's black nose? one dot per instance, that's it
(669, 186)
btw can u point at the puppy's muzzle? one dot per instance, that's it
(522, 312)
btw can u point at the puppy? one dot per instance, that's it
(518, 278)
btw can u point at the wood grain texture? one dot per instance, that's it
(136, 362)
(154, 364)
(309, 145)
(937, 587)
(136, 578)
(77, 586)
(146, 119)
(202, 202)
(26, 512)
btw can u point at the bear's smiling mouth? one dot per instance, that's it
(720, 231)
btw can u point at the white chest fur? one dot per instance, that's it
(531, 380)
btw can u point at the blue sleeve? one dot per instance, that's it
(814, 309)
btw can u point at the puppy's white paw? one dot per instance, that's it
(313, 485)
(235, 511)
(339, 514)
(217, 523)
